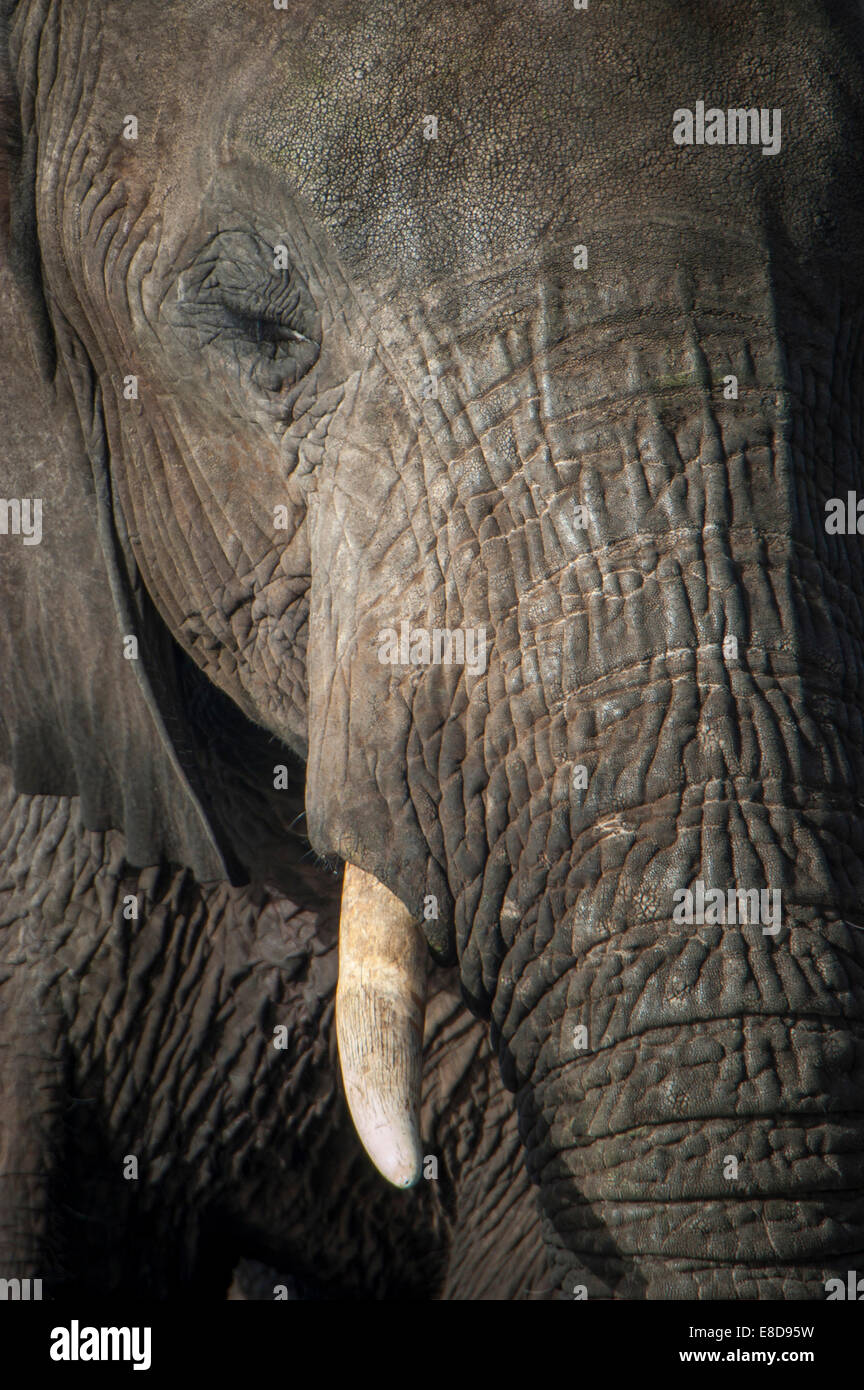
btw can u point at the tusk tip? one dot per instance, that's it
(406, 1179)
(397, 1157)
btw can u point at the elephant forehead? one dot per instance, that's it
(423, 134)
(431, 135)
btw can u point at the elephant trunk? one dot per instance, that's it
(685, 732)
(681, 1014)
(626, 488)
(699, 1091)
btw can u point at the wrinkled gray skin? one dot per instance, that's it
(556, 387)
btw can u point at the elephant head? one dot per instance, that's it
(433, 431)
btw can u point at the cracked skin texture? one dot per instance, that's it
(450, 257)
(154, 1039)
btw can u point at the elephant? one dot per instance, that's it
(431, 439)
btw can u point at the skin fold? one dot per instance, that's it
(289, 366)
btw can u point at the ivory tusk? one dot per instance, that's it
(380, 1006)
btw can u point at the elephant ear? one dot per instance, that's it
(84, 711)
(90, 701)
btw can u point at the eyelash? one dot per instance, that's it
(261, 329)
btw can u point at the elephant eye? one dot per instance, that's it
(277, 353)
(264, 330)
(277, 341)
(259, 321)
